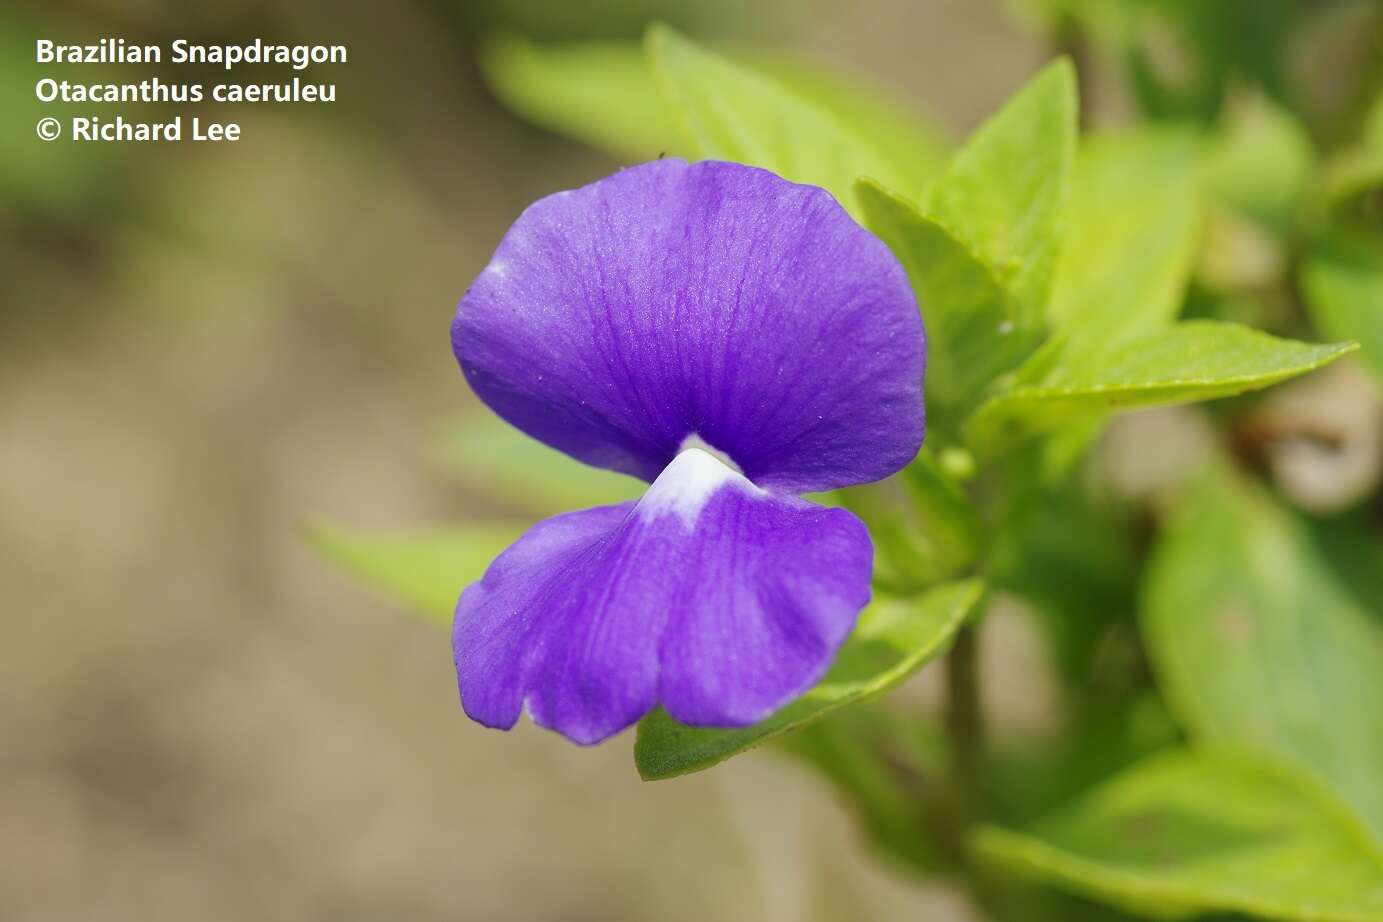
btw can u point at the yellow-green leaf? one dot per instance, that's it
(1185, 833)
(1191, 361)
(731, 112)
(1257, 643)
(504, 463)
(605, 94)
(425, 569)
(600, 93)
(1005, 190)
(972, 321)
(917, 149)
(1130, 240)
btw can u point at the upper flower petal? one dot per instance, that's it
(715, 598)
(709, 299)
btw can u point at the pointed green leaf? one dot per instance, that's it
(916, 148)
(1191, 361)
(730, 112)
(600, 93)
(972, 322)
(494, 457)
(1342, 280)
(893, 639)
(426, 569)
(1131, 238)
(1004, 192)
(1258, 644)
(605, 94)
(1185, 833)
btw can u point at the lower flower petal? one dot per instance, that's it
(710, 596)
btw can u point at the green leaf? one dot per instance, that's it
(1353, 546)
(600, 93)
(496, 458)
(894, 638)
(1004, 192)
(1354, 172)
(605, 94)
(923, 526)
(915, 148)
(1191, 361)
(1190, 832)
(1256, 643)
(972, 322)
(426, 569)
(1131, 240)
(1261, 163)
(1342, 280)
(1110, 730)
(733, 113)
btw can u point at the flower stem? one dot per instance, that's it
(965, 722)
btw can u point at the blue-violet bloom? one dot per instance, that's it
(734, 339)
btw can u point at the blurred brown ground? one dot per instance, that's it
(201, 720)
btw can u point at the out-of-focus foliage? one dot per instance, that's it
(887, 765)
(1069, 555)
(560, 20)
(425, 568)
(914, 147)
(1258, 645)
(1260, 164)
(1189, 832)
(488, 453)
(732, 113)
(1182, 59)
(64, 180)
(1354, 176)
(1342, 280)
(601, 93)
(608, 94)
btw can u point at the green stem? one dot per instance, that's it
(960, 803)
(966, 725)
(965, 721)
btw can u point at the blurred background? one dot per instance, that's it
(203, 347)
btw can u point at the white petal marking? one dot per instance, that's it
(687, 484)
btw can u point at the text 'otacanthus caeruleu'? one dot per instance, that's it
(735, 340)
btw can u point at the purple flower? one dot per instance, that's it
(734, 339)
